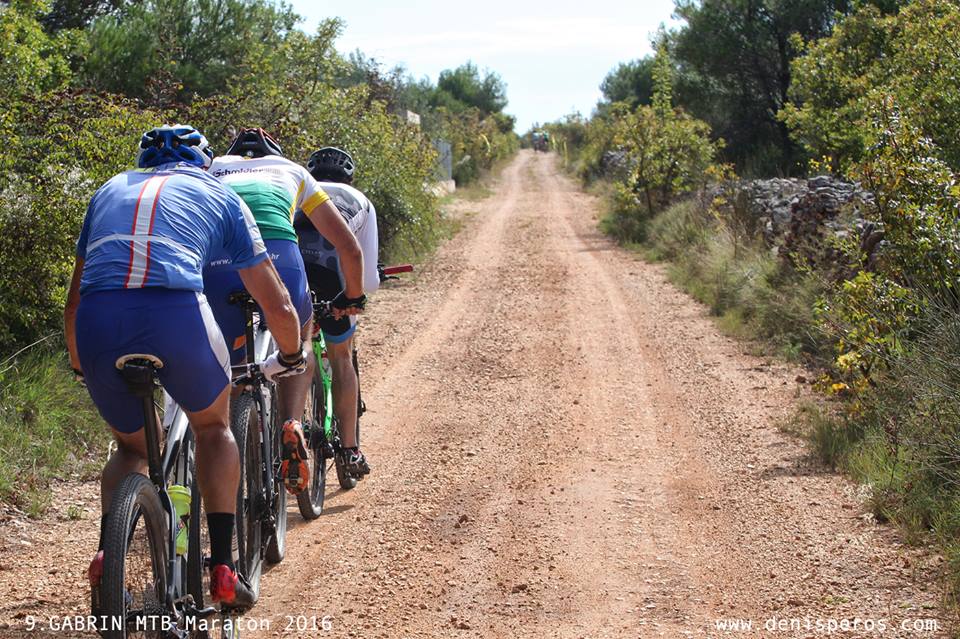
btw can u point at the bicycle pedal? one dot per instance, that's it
(202, 613)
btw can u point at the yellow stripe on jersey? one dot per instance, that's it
(314, 201)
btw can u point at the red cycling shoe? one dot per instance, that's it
(230, 590)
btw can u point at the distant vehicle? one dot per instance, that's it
(541, 141)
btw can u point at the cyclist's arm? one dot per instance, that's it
(70, 313)
(264, 285)
(330, 224)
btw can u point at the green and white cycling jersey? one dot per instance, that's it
(273, 187)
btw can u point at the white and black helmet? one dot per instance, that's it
(331, 164)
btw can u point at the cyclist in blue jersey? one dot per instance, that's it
(137, 287)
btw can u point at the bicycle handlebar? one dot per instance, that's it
(388, 272)
(253, 375)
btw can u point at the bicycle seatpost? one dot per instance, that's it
(139, 377)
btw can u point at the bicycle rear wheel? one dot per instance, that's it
(198, 571)
(134, 583)
(244, 422)
(310, 501)
(277, 544)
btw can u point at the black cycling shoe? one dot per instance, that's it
(355, 463)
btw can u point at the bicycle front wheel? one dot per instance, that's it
(134, 584)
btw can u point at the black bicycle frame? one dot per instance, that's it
(141, 380)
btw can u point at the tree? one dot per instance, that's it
(734, 61)
(31, 60)
(461, 88)
(167, 50)
(670, 153)
(910, 56)
(78, 14)
(631, 83)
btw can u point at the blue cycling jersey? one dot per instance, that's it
(158, 227)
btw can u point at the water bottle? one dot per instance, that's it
(180, 496)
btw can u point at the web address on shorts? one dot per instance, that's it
(828, 626)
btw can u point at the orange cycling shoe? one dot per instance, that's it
(293, 469)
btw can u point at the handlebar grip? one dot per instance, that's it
(400, 268)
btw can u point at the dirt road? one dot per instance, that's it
(563, 446)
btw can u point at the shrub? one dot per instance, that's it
(909, 56)
(67, 145)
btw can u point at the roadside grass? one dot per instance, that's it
(753, 295)
(900, 440)
(48, 429)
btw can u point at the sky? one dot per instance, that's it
(552, 55)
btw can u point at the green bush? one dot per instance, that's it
(62, 141)
(908, 57)
(67, 145)
(395, 161)
(666, 155)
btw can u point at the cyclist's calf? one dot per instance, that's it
(218, 461)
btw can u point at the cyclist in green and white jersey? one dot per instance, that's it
(274, 188)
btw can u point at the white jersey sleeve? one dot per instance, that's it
(370, 247)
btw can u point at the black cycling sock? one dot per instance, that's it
(221, 538)
(103, 528)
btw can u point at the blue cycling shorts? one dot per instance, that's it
(175, 325)
(220, 282)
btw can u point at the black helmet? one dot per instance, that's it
(331, 164)
(254, 143)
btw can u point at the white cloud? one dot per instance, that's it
(595, 36)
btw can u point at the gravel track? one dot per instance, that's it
(562, 446)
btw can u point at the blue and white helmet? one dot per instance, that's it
(177, 143)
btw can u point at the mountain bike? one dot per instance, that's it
(261, 499)
(321, 428)
(153, 584)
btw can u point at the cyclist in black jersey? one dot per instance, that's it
(333, 169)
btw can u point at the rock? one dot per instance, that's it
(831, 212)
(518, 588)
(802, 221)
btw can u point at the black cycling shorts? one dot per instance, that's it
(325, 285)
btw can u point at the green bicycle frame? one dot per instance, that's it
(326, 375)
